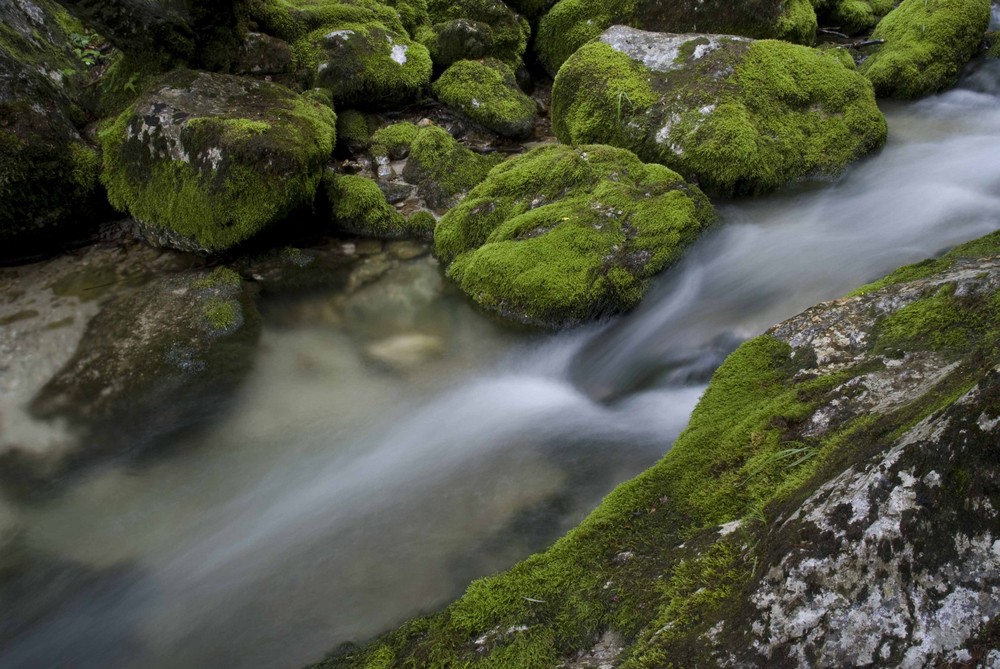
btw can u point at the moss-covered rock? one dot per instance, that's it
(353, 131)
(572, 23)
(476, 29)
(927, 42)
(361, 51)
(358, 206)
(436, 164)
(737, 115)
(814, 463)
(153, 362)
(48, 173)
(562, 234)
(206, 161)
(486, 92)
(852, 16)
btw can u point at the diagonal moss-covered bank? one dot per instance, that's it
(562, 234)
(206, 161)
(848, 453)
(738, 116)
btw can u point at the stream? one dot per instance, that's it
(337, 498)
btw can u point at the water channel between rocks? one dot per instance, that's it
(339, 497)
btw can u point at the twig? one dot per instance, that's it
(833, 31)
(864, 43)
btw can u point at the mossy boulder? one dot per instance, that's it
(486, 92)
(740, 116)
(158, 360)
(353, 131)
(820, 460)
(206, 161)
(852, 16)
(476, 29)
(572, 23)
(48, 173)
(562, 234)
(435, 163)
(358, 205)
(926, 45)
(361, 51)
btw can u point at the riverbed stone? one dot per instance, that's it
(833, 502)
(159, 360)
(206, 161)
(565, 234)
(926, 46)
(572, 23)
(738, 116)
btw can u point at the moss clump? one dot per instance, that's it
(234, 161)
(442, 168)
(422, 224)
(740, 117)
(361, 51)
(394, 141)
(222, 315)
(358, 205)
(504, 33)
(221, 278)
(572, 23)
(353, 131)
(560, 235)
(852, 16)
(926, 44)
(486, 92)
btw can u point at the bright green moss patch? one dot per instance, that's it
(358, 205)
(353, 132)
(222, 314)
(740, 117)
(940, 322)
(927, 42)
(560, 235)
(394, 140)
(487, 93)
(215, 178)
(852, 16)
(221, 278)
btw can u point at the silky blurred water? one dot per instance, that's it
(342, 495)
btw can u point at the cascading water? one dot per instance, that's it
(331, 505)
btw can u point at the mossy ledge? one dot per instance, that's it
(738, 116)
(696, 561)
(210, 160)
(561, 234)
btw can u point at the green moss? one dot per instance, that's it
(422, 223)
(784, 113)
(240, 173)
(927, 44)
(293, 19)
(853, 16)
(938, 322)
(353, 132)
(572, 23)
(991, 42)
(394, 140)
(560, 235)
(221, 278)
(358, 205)
(443, 168)
(222, 314)
(507, 33)
(486, 92)
(125, 79)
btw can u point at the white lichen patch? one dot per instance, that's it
(398, 51)
(662, 52)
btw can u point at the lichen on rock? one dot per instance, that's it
(738, 116)
(562, 234)
(206, 161)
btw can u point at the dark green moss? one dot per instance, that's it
(927, 42)
(507, 32)
(486, 92)
(353, 131)
(444, 169)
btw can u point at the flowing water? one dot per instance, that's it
(338, 497)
